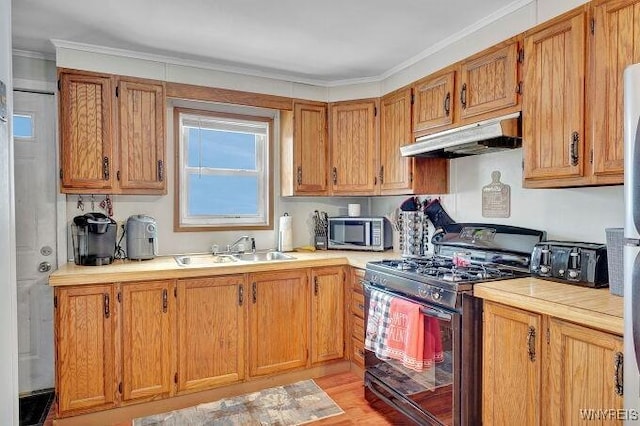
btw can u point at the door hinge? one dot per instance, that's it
(120, 388)
(521, 55)
(117, 91)
(410, 177)
(118, 175)
(344, 277)
(519, 88)
(119, 297)
(548, 336)
(593, 25)
(60, 173)
(55, 301)
(591, 156)
(175, 378)
(375, 111)
(59, 85)
(175, 292)
(413, 98)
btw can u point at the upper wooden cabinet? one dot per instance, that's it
(353, 137)
(85, 329)
(86, 132)
(111, 134)
(304, 149)
(489, 81)
(401, 175)
(211, 332)
(433, 101)
(553, 108)
(615, 44)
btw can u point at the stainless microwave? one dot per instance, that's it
(359, 233)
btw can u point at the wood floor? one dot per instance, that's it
(347, 390)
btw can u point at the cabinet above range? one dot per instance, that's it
(112, 134)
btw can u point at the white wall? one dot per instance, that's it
(571, 214)
(8, 316)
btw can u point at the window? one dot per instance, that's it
(224, 173)
(23, 126)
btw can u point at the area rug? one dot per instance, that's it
(289, 405)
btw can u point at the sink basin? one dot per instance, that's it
(263, 256)
(203, 259)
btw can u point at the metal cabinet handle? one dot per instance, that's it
(240, 295)
(618, 362)
(165, 301)
(105, 168)
(447, 103)
(299, 175)
(107, 307)
(160, 170)
(361, 306)
(573, 150)
(381, 175)
(463, 95)
(315, 286)
(531, 343)
(254, 291)
(335, 176)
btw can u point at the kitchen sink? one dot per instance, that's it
(204, 259)
(263, 256)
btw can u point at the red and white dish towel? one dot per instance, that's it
(396, 329)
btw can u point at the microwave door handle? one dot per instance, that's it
(367, 233)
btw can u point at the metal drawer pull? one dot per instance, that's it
(164, 301)
(107, 308)
(575, 139)
(618, 361)
(240, 295)
(254, 291)
(463, 96)
(531, 343)
(447, 104)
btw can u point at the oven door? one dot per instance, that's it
(431, 396)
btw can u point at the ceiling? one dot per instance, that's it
(322, 42)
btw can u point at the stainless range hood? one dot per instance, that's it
(486, 136)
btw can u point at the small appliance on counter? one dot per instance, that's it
(571, 262)
(142, 237)
(94, 239)
(359, 233)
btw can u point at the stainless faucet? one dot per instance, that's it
(231, 247)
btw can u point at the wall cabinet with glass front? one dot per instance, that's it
(111, 134)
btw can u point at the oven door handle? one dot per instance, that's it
(424, 309)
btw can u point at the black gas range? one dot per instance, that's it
(442, 286)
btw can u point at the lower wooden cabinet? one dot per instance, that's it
(540, 370)
(148, 311)
(211, 336)
(85, 329)
(278, 321)
(357, 317)
(327, 314)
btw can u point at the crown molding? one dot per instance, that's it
(34, 55)
(170, 60)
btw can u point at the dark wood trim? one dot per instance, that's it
(214, 94)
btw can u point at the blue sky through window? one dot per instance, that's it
(222, 195)
(22, 126)
(221, 150)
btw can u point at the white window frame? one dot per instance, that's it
(189, 118)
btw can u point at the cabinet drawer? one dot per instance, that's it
(358, 352)
(358, 328)
(357, 304)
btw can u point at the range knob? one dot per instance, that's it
(423, 291)
(436, 295)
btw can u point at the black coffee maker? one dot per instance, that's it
(94, 239)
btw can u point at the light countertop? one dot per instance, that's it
(595, 308)
(165, 267)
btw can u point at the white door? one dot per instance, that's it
(35, 192)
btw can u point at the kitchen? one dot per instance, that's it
(579, 214)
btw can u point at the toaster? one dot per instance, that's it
(571, 262)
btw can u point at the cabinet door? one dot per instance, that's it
(616, 44)
(553, 119)
(85, 350)
(311, 149)
(85, 132)
(147, 338)
(211, 321)
(327, 314)
(278, 321)
(395, 131)
(433, 103)
(141, 113)
(585, 371)
(353, 147)
(488, 82)
(511, 373)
